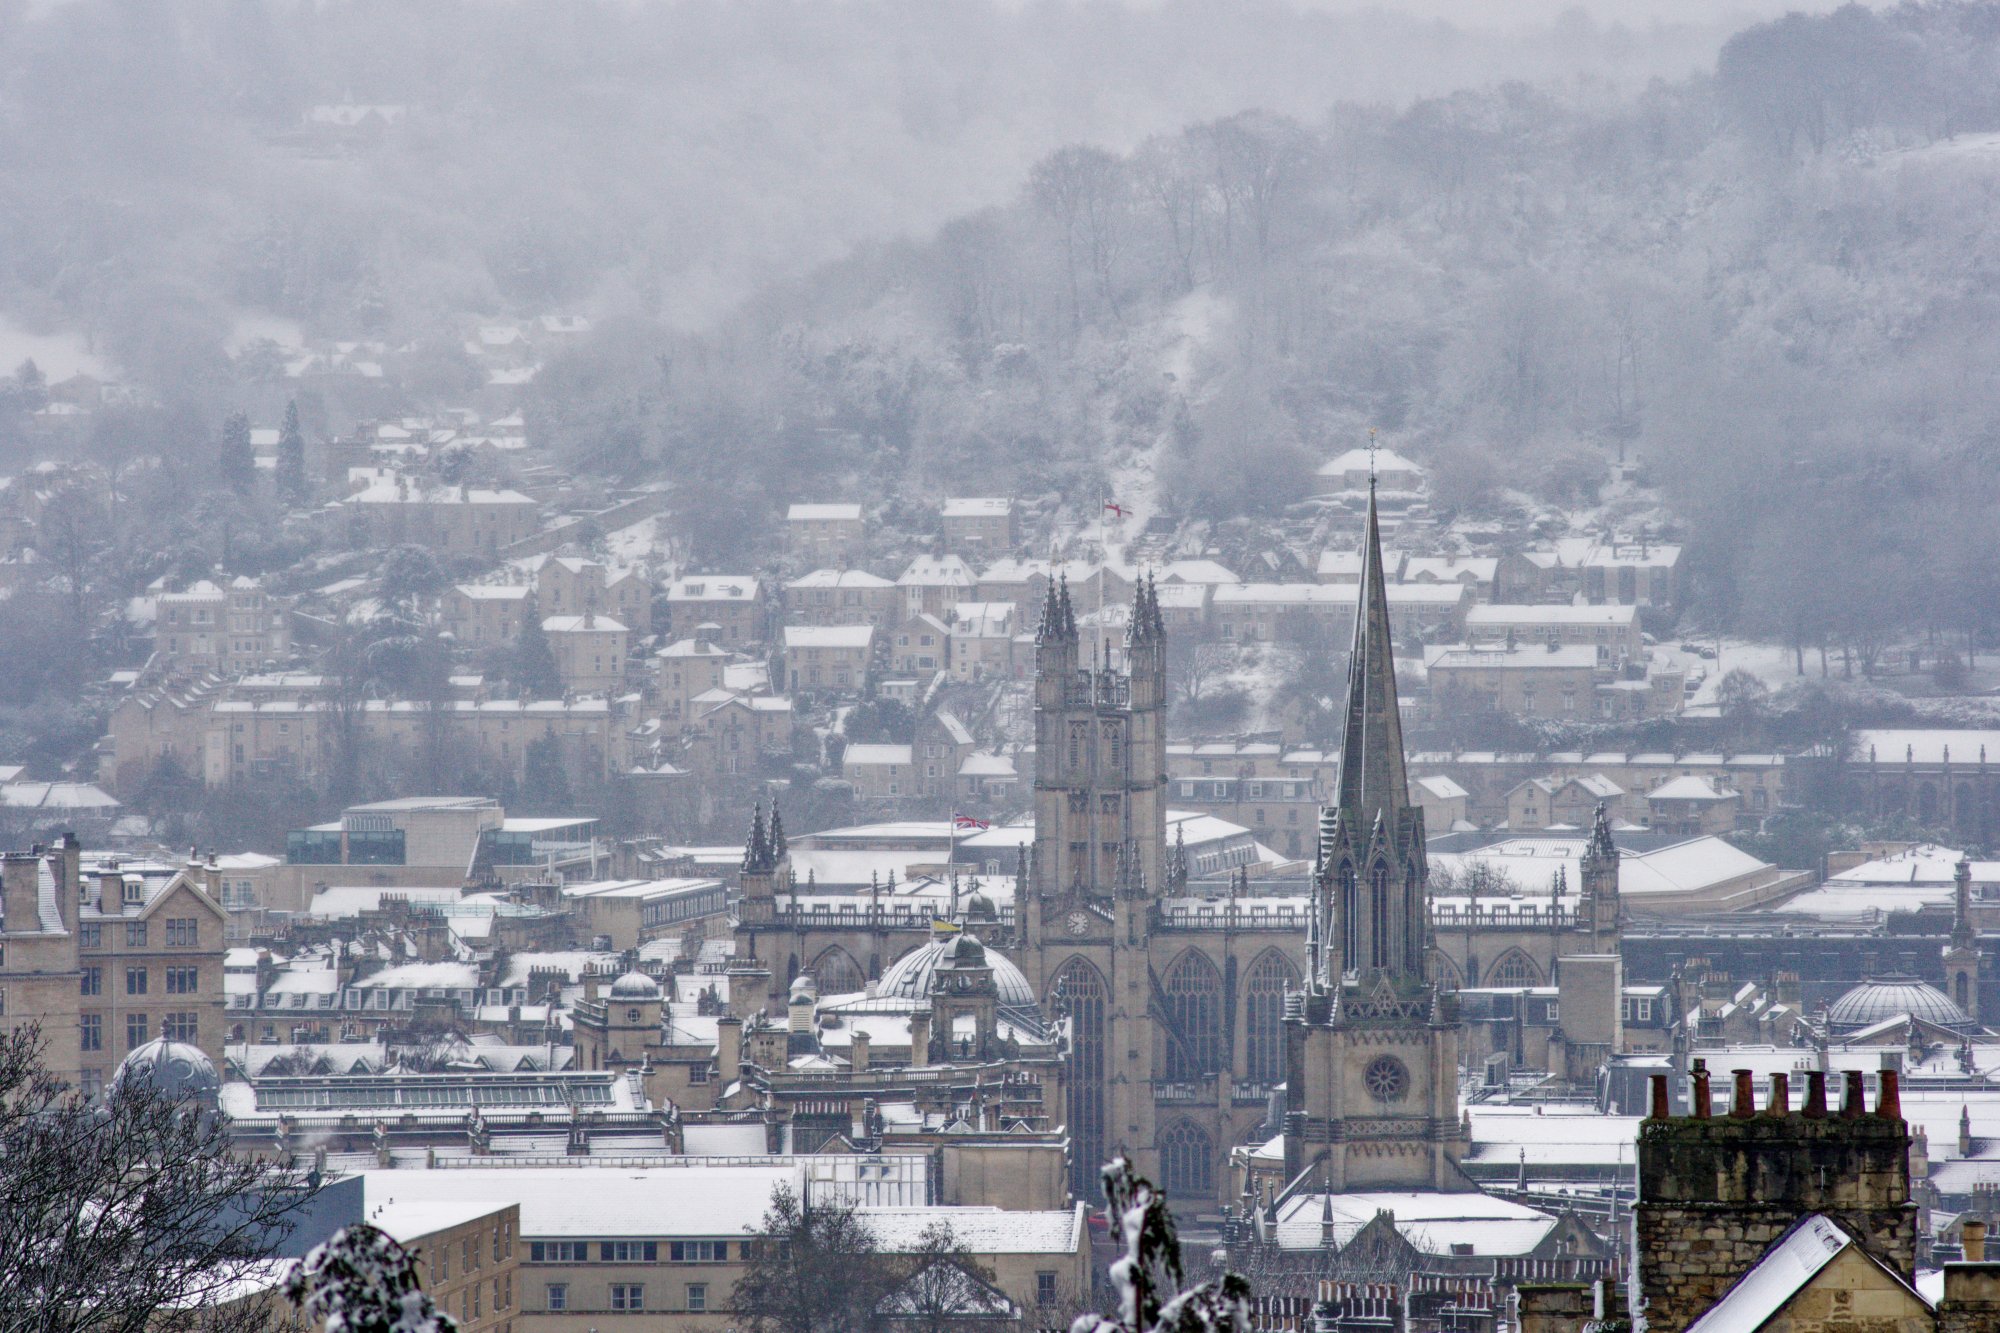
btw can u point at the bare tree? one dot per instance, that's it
(945, 1289)
(814, 1268)
(1192, 668)
(128, 1215)
(1083, 189)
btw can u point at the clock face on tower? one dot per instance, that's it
(1077, 922)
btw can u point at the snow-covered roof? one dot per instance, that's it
(352, 900)
(422, 976)
(1498, 616)
(867, 755)
(1688, 789)
(1928, 745)
(822, 513)
(1521, 657)
(937, 570)
(981, 1230)
(584, 624)
(56, 796)
(829, 636)
(976, 507)
(1797, 1257)
(841, 578)
(1363, 460)
(589, 1202)
(1451, 569)
(713, 588)
(1549, 1137)
(1430, 1221)
(1196, 571)
(387, 489)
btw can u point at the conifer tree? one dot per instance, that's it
(292, 456)
(234, 458)
(535, 671)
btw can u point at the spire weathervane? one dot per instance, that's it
(1371, 458)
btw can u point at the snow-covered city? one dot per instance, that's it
(730, 666)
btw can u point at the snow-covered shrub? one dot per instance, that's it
(1149, 1275)
(362, 1281)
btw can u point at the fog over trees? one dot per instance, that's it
(898, 250)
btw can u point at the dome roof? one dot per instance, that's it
(1881, 998)
(635, 986)
(172, 1067)
(910, 975)
(979, 907)
(966, 951)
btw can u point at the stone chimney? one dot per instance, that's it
(728, 1047)
(920, 1037)
(1716, 1191)
(111, 891)
(69, 860)
(749, 988)
(1971, 1301)
(20, 892)
(858, 1054)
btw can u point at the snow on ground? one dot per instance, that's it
(1776, 666)
(57, 355)
(1258, 671)
(635, 544)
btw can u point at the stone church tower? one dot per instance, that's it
(1961, 955)
(1372, 1043)
(1085, 917)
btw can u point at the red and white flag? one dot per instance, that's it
(1113, 507)
(967, 824)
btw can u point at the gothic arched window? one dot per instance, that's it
(1379, 926)
(1263, 1017)
(1079, 993)
(1350, 919)
(1514, 969)
(1194, 1006)
(1187, 1161)
(836, 973)
(1413, 922)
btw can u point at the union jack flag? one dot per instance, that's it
(1113, 507)
(967, 824)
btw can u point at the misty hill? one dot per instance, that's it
(1770, 285)
(368, 169)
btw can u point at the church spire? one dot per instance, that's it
(1373, 782)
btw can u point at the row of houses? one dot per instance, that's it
(837, 533)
